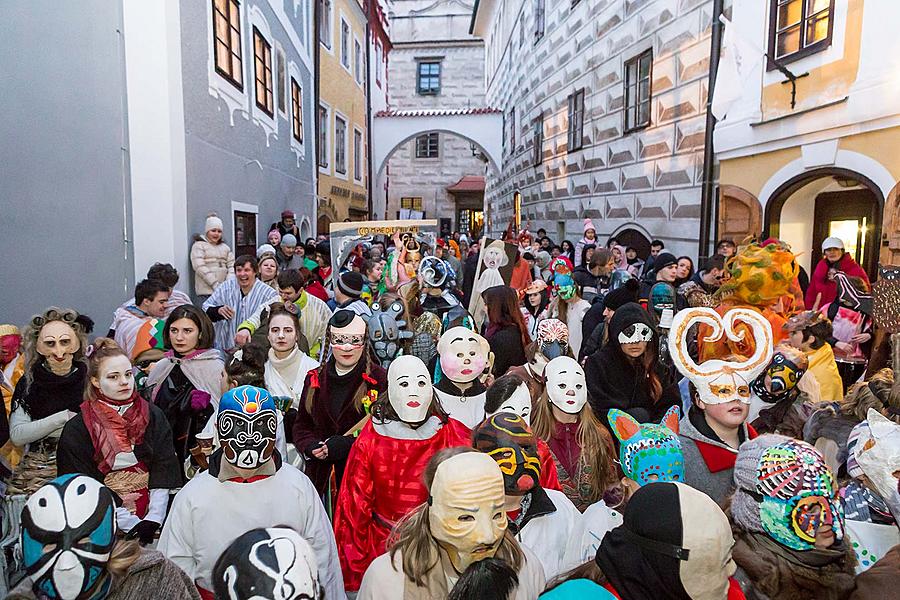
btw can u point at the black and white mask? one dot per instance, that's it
(636, 333)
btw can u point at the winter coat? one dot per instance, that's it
(883, 576)
(506, 344)
(821, 284)
(212, 263)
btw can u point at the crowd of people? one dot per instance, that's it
(445, 417)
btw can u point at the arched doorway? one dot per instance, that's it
(828, 202)
(632, 238)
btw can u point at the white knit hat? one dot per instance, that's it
(265, 249)
(832, 242)
(213, 222)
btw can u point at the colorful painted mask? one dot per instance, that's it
(563, 282)
(464, 354)
(68, 533)
(247, 424)
(783, 373)
(721, 381)
(506, 438)
(799, 495)
(636, 333)
(878, 455)
(409, 389)
(348, 338)
(552, 338)
(268, 564)
(566, 385)
(465, 513)
(10, 342)
(519, 403)
(57, 342)
(662, 296)
(385, 331)
(436, 273)
(648, 452)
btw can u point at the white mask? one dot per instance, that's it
(519, 403)
(636, 333)
(409, 389)
(566, 385)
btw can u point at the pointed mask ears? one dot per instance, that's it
(625, 427)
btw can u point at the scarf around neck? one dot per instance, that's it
(112, 433)
(287, 367)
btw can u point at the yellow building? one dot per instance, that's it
(342, 123)
(817, 153)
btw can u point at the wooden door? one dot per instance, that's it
(740, 214)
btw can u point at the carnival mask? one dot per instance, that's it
(552, 338)
(563, 282)
(878, 455)
(435, 273)
(465, 513)
(636, 333)
(385, 332)
(9, 347)
(662, 296)
(506, 438)
(268, 564)
(495, 255)
(798, 495)
(648, 452)
(247, 424)
(464, 354)
(68, 533)
(348, 338)
(410, 391)
(566, 385)
(721, 381)
(785, 370)
(519, 403)
(57, 342)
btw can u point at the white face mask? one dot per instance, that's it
(519, 403)
(566, 385)
(636, 333)
(409, 389)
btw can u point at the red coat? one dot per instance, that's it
(549, 476)
(819, 282)
(382, 483)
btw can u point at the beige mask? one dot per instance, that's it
(57, 342)
(348, 343)
(707, 534)
(466, 516)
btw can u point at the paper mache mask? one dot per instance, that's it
(268, 564)
(566, 385)
(436, 273)
(721, 381)
(878, 455)
(563, 282)
(68, 534)
(662, 296)
(552, 338)
(387, 331)
(247, 424)
(648, 452)
(464, 354)
(506, 438)
(410, 391)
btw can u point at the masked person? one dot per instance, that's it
(552, 340)
(464, 356)
(383, 476)
(12, 367)
(582, 447)
(48, 394)
(780, 392)
(461, 523)
(71, 550)
(542, 520)
(568, 306)
(335, 399)
(648, 453)
(122, 441)
(247, 486)
(273, 563)
(788, 523)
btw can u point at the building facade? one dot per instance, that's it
(342, 116)
(380, 47)
(604, 105)
(818, 157)
(435, 65)
(141, 118)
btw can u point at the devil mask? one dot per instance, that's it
(268, 564)
(506, 438)
(409, 389)
(566, 385)
(464, 354)
(721, 381)
(648, 452)
(68, 533)
(247, 423)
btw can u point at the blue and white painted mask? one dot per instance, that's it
(68, 533)
(247, 424)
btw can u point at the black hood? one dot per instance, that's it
(628, 314)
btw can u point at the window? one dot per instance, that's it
(244, 232)
(429, 78)
(411, 203)
(512, 130)
(539, 19)
(378, 63)
(576, 120)
(227, 41)
(428, 145)
(357, 155)
(357, 61)
(262, 61)
(340, 145)
(279, 72)
(538, 131)
(296, 110)
(323, 137)
(637, 91)
(798, 28)
(325, 19)
(345, 44)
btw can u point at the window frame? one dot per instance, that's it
(323, 138)
(340, 141)
(357, 60)
(430, 91)
(414, 202)
(232, 29)
(283, 77)
(296, 110)
(803, 51)
(359, 165)
(326, 27)
(636, 60)
(537, 129)
(345, 50)
(267, 84)
(575, 133)
(540, 20)
(432, 138)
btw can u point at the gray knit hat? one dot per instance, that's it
(744, 507)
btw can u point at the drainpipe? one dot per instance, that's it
(370, 184)
(708, 189)
(316, 68)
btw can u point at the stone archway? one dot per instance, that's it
(740, 214)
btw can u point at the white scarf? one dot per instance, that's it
(285, 376)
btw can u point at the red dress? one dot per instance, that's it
(382, 483)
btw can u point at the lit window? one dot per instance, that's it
(411, 203)
(262, 61)
(227, 41)
(798, 28)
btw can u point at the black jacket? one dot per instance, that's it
(506, 344)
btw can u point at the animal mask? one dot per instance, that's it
(662, 296)
(563, 282)
(648, 452)
(385, 333)
(721, 381)
(68, 533)
(506, 438)
(247, 424)
(636, 333)
(409, 389)
(566, 385)
(878, 455)
(464, 355)
(552, 338)
(267, 564)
